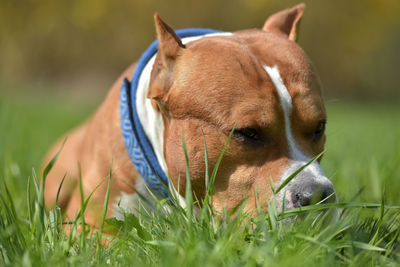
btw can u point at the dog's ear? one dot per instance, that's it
(286, 21)
(169, 44)
(170, 47)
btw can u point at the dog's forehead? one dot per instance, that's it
(231, 69)
(247, 52)
(223, 77)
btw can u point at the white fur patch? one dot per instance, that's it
(286, 102)
(125, 203)
(129, 203)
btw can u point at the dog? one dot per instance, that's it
(257, 84)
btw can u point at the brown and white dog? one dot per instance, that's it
(260, 80)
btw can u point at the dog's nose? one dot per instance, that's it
(311, 192)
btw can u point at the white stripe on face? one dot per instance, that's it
(298, 158)
(286, 102)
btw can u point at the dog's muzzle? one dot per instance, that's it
(308, 191)
(310, 186)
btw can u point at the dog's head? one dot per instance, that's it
(262, 82)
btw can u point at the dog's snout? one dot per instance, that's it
(312, 192)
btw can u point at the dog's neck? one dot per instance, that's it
(150, 120)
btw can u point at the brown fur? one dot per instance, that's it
(209, 84)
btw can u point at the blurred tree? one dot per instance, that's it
(87, 43)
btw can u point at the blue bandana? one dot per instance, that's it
(138, 145)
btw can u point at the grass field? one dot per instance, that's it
(362, 159)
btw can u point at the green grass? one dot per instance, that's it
(362, 158)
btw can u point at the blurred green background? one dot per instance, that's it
(77, 46)
(59, 58)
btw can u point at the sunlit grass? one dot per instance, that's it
(362, 158)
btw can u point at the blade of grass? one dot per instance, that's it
(315, 241)
(382, 213)
(294, 174)
(59, 188)
(295, 211)
(82, 209)
(207, 174)
(272, 214)
(366, 246)
(391, 242)
(188, 194)
(46, 171)
(210, 186)
(13, 216)
(262, 223)
(207, 178)
(36, 183)
(103, 216)
(28, 198)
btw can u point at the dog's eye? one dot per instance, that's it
(246, 134)
(319, 132)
